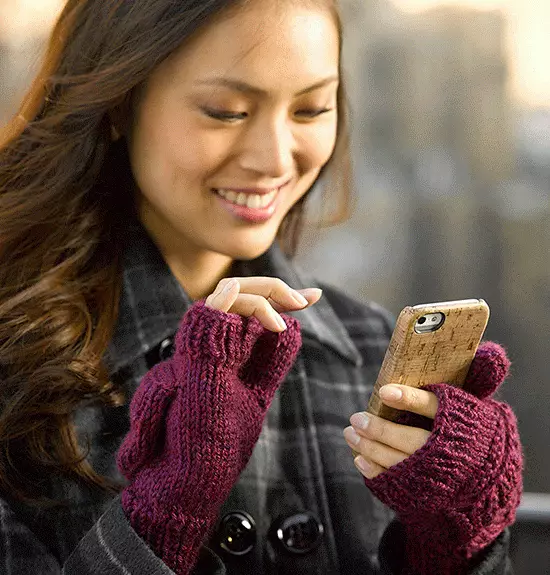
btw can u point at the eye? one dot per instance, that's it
(224, 115)
(314, 113)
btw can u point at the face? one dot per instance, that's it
(232, 130)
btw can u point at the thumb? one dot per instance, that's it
(272, 356)
(224, 296)
(488, 370)
(147, 417)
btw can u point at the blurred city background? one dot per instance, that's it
(451, 132)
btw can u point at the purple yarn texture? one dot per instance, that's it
(458, 492)
(194, 421)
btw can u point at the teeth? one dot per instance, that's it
(254, 201)
(268, 198)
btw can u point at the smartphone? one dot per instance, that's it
(431, 343)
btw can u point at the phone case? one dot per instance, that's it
(441, 356)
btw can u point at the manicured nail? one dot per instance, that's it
(312, 292)
(300, 299)
(280, 321)
(362, 465)
(351, 436)
(390, 392)
(359, 420)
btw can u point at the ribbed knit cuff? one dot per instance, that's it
(209, 332)
(436, 477)
(231, 339)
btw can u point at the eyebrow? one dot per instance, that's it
(246, 88)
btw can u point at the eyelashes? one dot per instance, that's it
(226, 116)
(314, 113)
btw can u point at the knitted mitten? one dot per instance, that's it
(458, 492)
(195, 419)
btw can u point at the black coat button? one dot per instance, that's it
(236, 534)
(166, 349)
(161, 352)
(298, 534)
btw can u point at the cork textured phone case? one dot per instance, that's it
(442, 356)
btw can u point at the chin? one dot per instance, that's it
(248, 248)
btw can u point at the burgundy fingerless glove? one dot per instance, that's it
(457, 493)
(194, 422)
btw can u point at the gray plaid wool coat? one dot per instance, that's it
(301, 461)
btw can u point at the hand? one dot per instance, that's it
(194, 421)
(456, 486)
(378, 443)
(262, 297)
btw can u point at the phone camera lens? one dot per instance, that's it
(422, 320)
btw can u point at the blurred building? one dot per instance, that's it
(453, 188)
(432, 133)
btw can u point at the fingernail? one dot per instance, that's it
(281, 322)
(313, 292)
(359, 420)
(229, 286)
(300, 299)
(391, 393)
(351, 436)
(362, 465)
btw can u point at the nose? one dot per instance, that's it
(268, 148)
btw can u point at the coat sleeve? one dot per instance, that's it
(494, 561)
(111, 547)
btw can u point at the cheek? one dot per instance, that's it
(173, 149)
(320, 145)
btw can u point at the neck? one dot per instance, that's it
(200, 274)
(197, 270)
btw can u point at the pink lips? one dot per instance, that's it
(252, 215)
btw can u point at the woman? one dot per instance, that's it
(161, 412)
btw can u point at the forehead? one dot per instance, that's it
(276, 44)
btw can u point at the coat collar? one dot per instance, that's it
(153, 302)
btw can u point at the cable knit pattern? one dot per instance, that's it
(194, 422)
(458, 492)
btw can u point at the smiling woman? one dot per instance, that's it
(174, 390)
(196, 130)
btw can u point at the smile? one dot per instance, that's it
(253, 201)
(249, 207)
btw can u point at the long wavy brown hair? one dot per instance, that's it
(64, 189)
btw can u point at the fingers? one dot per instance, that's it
(368, 468)
(224, 295)
(410, 399)
(381, 443)
(278, 291)
(312, 295)
(403, 438)
(379, 453)
(256, 306)
(261, 297)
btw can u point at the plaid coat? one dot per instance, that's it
(301, 461)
